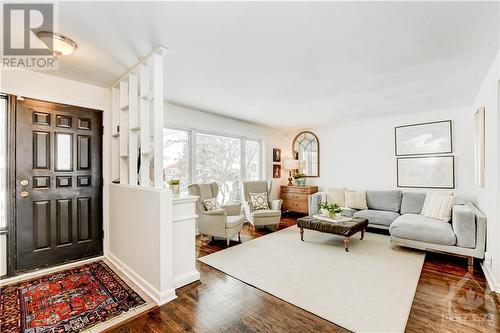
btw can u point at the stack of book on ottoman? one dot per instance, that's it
(336, 219)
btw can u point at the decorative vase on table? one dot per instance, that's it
(174, 189)
(324, 212)
(334, 216)
(174, 185)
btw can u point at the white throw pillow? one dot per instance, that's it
(211, 204)
(259, 201)
(355, 200)
(438, 206)
(336, 195)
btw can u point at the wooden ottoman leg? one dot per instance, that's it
(302, 234)
(362, 234)
(346, 243)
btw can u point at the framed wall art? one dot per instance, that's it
(276, 155)
(276, 171)
(426, 172)
(479, 158)
(424, 138)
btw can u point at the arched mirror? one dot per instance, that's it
(306, 149)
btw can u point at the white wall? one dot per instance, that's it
(53, 89)
(272, 137)
(487, 197)
(360, 154)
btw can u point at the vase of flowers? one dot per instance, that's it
(174, 185)
(332, 210)
(300, 178)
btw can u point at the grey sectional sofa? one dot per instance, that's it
(399, 212)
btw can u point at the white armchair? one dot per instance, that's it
(264, 217)
(224, 222)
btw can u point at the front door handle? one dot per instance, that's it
(24, 194)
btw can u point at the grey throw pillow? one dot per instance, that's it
(259, 201)
(412, 202)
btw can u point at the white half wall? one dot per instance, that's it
(141, 238)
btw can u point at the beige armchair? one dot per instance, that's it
(267, 217)
(224, 222)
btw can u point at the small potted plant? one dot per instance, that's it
(300, 178)
(174, 185)
(331, 210)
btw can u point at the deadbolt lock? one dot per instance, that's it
(24, 194)
(24, 182)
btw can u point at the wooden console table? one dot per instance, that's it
(295, 198)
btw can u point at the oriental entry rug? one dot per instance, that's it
(66, 301)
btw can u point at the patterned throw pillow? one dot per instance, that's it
(259, 201)
(211, 204)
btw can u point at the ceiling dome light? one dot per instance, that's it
(61, 45)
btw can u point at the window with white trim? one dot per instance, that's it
(195, 156)
(176, 155)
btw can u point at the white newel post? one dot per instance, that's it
(151, 233)
(158, 105)
(184, 224)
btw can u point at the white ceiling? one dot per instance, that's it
(291, 64)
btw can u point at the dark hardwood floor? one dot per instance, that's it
(448, 299)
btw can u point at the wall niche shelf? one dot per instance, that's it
(138, 110)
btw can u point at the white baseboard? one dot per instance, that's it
(167, 296)
(159, 297)
(490, 278)
(185, 279)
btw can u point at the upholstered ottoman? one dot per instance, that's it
(342, 228)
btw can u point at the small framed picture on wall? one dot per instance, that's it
(276, 171)
(276, 155)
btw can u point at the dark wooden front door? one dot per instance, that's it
(58, 183)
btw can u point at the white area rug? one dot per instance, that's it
(369, 289)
